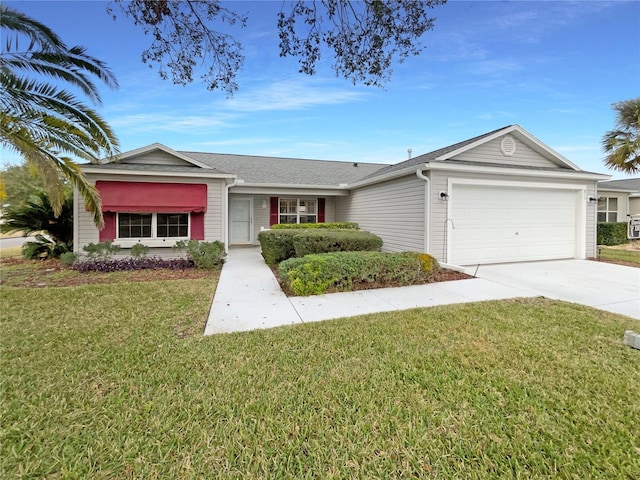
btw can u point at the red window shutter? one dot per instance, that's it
(273, 214)
(108, 232)
(321, 203)
(197, 226)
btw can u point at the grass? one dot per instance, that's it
(628, 253)
(116, 381)
(11, 252)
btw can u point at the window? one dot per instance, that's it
(298, 210)
(134, 225)
(173, 225)
(607, 209)
(153, 225)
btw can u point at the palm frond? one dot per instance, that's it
(44, 123)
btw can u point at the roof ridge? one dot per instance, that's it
(186, 152)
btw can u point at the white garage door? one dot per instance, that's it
(494, 224)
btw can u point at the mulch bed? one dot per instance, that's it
(51, 273)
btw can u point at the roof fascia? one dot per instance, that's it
(284, 189)
(449, 166)
(159, 146)
(617, 190)
(390, 176)
(529, 139)
(154, 173)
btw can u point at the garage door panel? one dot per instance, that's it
(493, 224)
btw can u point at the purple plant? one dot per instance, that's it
(128, 264)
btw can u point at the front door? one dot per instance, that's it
(240, 220)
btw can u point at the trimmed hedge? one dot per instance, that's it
(333, 225)
(325, 241)
(281, 244)
(277, 245)
(341, 271)
(611, 233)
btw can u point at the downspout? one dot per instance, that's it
(427, 206)
(226, 212)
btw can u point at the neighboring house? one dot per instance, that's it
(618, 200)
(500, 197)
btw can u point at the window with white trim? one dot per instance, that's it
(298, 210)
(607, 209)
(153, 225)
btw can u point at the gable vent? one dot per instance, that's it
(508, 146)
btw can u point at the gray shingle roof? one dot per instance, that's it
(624, 184)
(290, 171)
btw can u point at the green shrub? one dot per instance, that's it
(101, 251)
(342, 271)
(325, 241)
(43, 248)
(612, 233)
(208, 255)
(277, 245)
(139, 250)
(333, 225)
(68, 258)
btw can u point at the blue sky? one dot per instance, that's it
(553, 67)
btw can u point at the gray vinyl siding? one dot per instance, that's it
(158, 157)
(490, 153)
(213, 218)
(439, 182)
(394, 210)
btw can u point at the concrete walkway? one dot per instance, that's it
(248, 297)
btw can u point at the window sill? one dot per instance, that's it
(149, 242)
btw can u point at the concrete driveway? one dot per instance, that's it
(615, 288)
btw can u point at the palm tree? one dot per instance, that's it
(37, 215)
(622, 145)
(45, 124)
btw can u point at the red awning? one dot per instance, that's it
(149, 197)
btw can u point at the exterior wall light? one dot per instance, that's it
(444, 196)
(593, 200)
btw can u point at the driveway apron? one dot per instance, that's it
(606, 286)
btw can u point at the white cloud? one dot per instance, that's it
(177, 122)
(291, 94)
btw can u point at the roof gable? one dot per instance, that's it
(157, 154)
(509, 146)
(461, 152)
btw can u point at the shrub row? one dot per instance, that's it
(341, 271)
(124, 264)
(282, 244)
(330, 225)
(612, 233)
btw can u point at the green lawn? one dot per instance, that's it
(619, 254)
(116, 381)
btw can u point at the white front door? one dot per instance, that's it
(240, 220)
(496, 224)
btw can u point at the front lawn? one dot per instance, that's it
(116, 381)
(628, 253)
